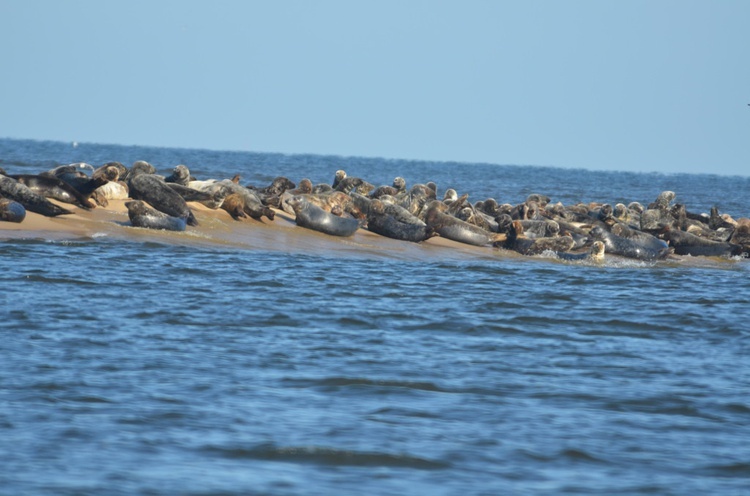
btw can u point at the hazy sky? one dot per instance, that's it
(627, 85)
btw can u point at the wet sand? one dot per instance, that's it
(217, 228)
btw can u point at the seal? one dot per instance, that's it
(212, 199)
(741, 234)
(517, 242)
(159, 195)
(450, 227)
(55, 188)
(87, 186)
(234, 204)
(113, 190)
(138, 167)
(685, 243)
(595, 254)
(252, 204)
(630, 248)
(141, 215)
(305, 187)
(11, 211)
(380, 221)
(180, 175)
(337, 177)
(349, 184)
(31, 201)
(315, 218)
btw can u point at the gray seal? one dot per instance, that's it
(594, 254)
(685, 243)
(31, 201)
(517, 242)
(315, 218)
(141, 215)
(450, 227)
(630, 248)
(11, 211)
(159, 195)
(55, 188)
(381, 220)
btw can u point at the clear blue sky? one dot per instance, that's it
(628, 85)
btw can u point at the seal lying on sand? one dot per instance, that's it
(55, 188)
(450, 227)
(159, 195)
(685, 243)
(630, 248)
(315, 218)
(11, 211)
(381, 221)
(141, 215)
(516, 241)
(31, 201)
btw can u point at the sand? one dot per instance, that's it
(217, 228)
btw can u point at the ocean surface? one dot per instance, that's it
(137, 367)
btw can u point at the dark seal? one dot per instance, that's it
(11, 211)
(382, 221)
(141, 215)
(31, 201)
(159, 195)
(315, 218)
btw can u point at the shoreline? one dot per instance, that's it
(217, 229)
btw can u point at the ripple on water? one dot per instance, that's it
(320, 455)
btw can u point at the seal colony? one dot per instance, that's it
(417, 215)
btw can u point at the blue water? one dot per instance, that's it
(135, 367)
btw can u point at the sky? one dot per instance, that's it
(645, 86)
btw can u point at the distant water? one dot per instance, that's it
(133, 367)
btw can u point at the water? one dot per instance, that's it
(138, 367)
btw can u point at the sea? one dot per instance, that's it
(138, 367)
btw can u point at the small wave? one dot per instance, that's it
(328, 456)
(337, 382)
(58, 280)
(738, 469)
(569, 454)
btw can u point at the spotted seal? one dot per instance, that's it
(159, 195)
(450, 227)
(55, 188)
(180, 175)
(141, 215)
(381, 221)
(517, 242)
(31, 201)
(313, 217)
